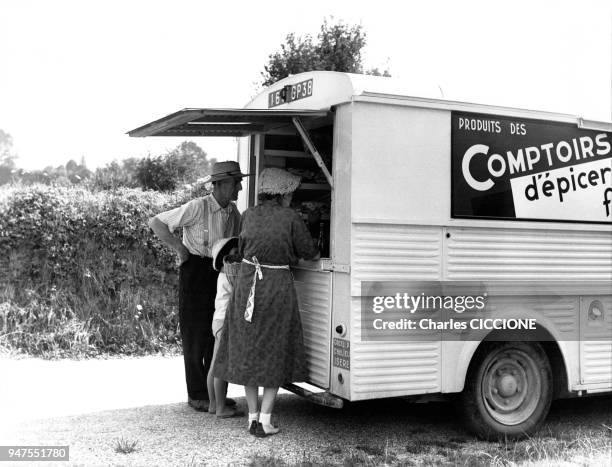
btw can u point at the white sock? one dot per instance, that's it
(253, 416)
(264, 418)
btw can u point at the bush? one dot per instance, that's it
(158, 173)
(82, 273)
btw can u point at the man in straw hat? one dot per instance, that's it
(204, 221)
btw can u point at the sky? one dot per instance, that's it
(75, 76)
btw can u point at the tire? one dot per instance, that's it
(508, 390)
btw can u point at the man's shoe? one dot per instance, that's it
(253, 427)
(232, 413)
(199, 405)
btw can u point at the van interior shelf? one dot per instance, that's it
(283, 153)
(314, 186)
(312, 199)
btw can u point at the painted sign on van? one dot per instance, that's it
(510, 168)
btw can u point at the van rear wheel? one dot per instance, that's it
(508, 390)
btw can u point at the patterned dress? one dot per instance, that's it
(269, 350)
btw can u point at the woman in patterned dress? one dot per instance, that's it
(262, 342)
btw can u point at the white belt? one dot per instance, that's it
(248, 312)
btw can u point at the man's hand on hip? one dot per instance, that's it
(161, 230)
(183, 254)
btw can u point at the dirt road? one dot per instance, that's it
(93, 405)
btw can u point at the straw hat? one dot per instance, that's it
(275, 181)
(221, 248)
(224, 170)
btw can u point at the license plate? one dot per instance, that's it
(341, 353)
(290, 93)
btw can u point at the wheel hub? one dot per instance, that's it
(507, 385)
(511, 387)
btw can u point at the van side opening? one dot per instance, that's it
(285, 148)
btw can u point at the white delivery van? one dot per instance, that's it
(416, 196)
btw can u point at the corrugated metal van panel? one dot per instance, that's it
(392, 252)
(559, 314)
(406, 252)
(596, 364)
(596, 342)
(389, 369)
(494, 254)
(314, 296)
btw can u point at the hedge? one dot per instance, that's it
(82, 274)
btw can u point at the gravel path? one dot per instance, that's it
(31, 388)
(91, 404)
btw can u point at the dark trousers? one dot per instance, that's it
(197, 290)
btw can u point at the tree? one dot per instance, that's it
(191, 161)
(7, 157)
(376, 72)
(77, 173)
(296, 56)
(129, 166)
(157, 173)
(184, 164)
(114, 175)
(338, 48)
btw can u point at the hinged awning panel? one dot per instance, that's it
(223, 122)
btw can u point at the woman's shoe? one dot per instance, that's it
(253, 427)
(262, 431)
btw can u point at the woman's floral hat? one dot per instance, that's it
(275, 181)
